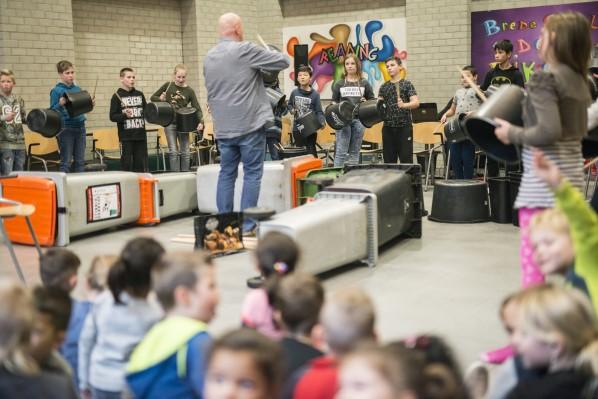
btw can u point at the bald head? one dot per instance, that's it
(231, 26)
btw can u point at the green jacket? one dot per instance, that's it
(11, 133)
(584, 233)
(179, 97)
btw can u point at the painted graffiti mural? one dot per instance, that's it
(372, 41)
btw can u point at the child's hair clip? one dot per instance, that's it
(280, 267)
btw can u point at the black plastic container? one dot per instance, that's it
(501, 204)
(290, 152)
(398, 191)
(460, 201)
(160, 113)
(46, 122)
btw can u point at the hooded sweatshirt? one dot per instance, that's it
(302, 102)
(133, 128)
(55, 94)
(170, 361)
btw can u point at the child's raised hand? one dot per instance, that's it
(502, 130)
(163, 96)
(546, 170)
(62, 101)
(443, 119)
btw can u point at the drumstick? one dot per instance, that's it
(263, 42)
(589, 164)
(95, 87)
(168, 87)
(122, 103)
(473, 85)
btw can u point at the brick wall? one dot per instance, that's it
(34, 35)
(109, 34)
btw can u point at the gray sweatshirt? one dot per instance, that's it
(236, 93)
(110, 333)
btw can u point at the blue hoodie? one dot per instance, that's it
(170, 360)
(55, 94)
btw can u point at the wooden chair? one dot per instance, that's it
(42, 149)
(372, 135)
(106, 143)
(429, 134)
(10, 209)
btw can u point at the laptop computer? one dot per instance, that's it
(427, 112)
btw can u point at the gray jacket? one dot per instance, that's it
(110, 333)
(236, 93)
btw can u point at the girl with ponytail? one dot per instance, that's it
(118, 320)
(275, 257)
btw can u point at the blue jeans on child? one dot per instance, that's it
(462, 159)
(100, 394)
(12, 160)
(71, 141)
(248, 149)
(348, 144)
(178, 153)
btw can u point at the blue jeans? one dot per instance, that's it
(270, 142)
(100, 394)
(248, 149)
(11, 160)
(178, 153)
(348, 144)
(462, 159)
(71, 141)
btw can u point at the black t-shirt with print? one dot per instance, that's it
(390, 91)
(499, 77)
(133, 128)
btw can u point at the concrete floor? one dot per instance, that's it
(450, 282)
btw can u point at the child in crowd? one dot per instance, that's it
(126, 109)
(565, 239)
(58, 269)
(20, 376)
(72, 136)
(305, 99)
(387, 372)
(462, 154)
(53, 308)
(95, 283)
(400, 98)
(508, 375)
(118, 320)
(556, 329)
(441, 372)
(170, 360)
(354, 89)
(12, 115)
(298, 299)
(180, 95)
(347, 319)
(276, 255)
(243, 364)
(554, 119)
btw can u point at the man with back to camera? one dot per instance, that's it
(240, 108)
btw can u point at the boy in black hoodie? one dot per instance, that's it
(126, 109)
(303, 100)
